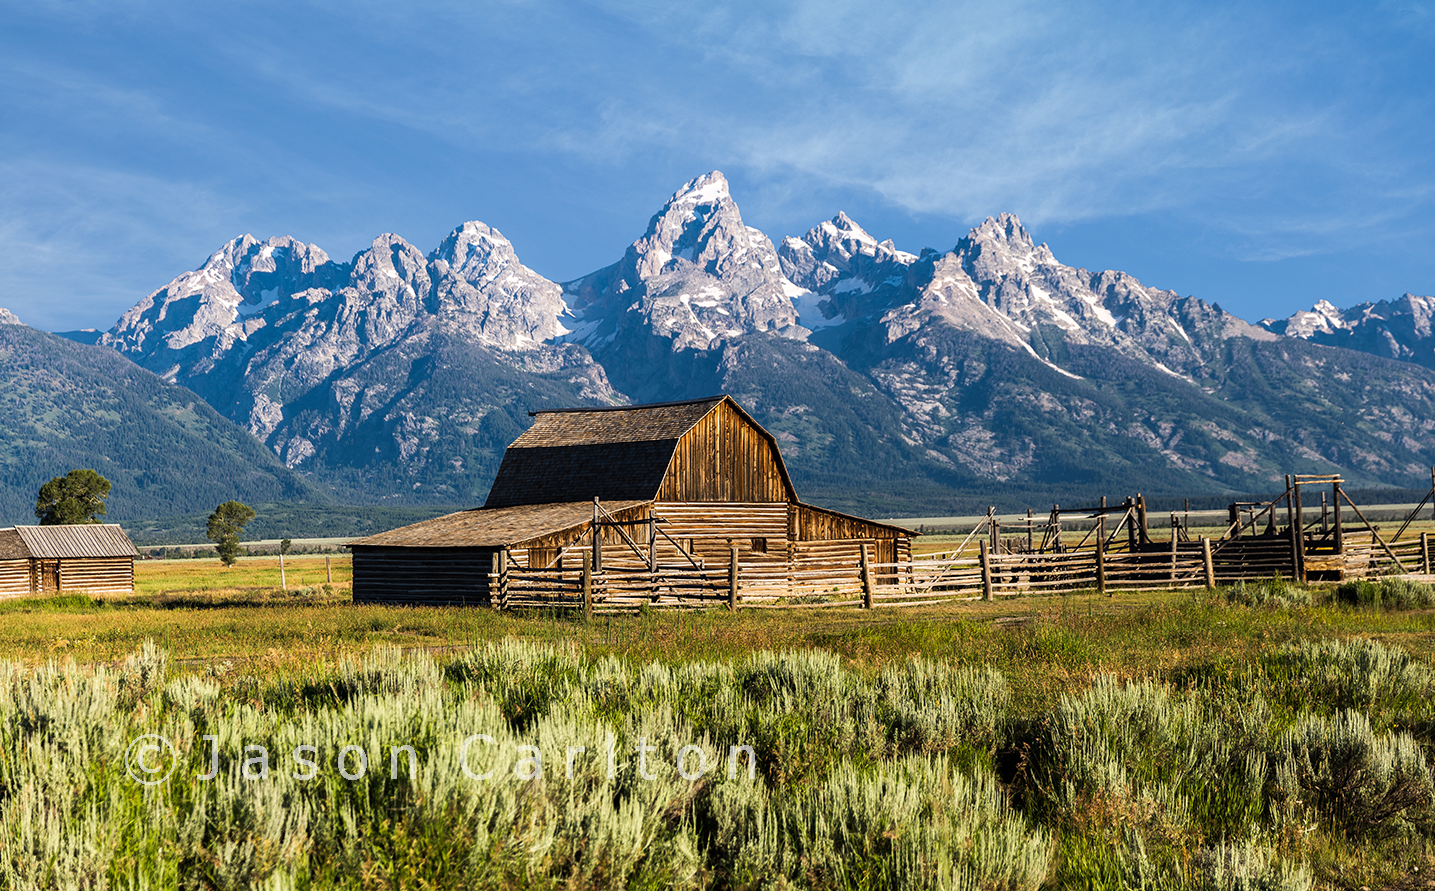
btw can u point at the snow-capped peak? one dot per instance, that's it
(710, 188)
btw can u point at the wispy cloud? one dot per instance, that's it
(1287, 129)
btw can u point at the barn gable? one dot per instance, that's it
(700, 450)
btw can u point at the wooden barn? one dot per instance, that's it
(98, 558)
(680, 485)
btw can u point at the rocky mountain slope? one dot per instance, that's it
(393, 376)
(896, 382)
(64, 405)
(1398, 329)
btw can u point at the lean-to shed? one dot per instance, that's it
(675, 483)
(94, 557)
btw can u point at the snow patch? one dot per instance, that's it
(1054, 367)
(852, 284)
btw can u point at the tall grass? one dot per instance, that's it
(783, 768)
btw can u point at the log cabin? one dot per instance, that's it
(673, 484)
(94, 557)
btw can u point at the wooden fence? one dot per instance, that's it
(964, 575)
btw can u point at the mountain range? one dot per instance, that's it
(166, 451)
(897, 383)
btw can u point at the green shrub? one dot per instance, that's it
(935, 706)
(1386, 593)
(1348, 776)
(1274, 593)
(915, 823)
(143, 673)
(1363, 674)
(1247, 866)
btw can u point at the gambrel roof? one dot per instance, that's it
(614, 454)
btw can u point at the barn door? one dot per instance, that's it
(49, 576)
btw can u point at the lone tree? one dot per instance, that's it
(225, 524)
(77, 497)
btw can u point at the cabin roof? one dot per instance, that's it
(618, 453)
(492, 527)
(12, 546)
(77, 540)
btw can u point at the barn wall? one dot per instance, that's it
(428, 576)
(810, 523)
(724, 458)
(98, 575)
(14, 578)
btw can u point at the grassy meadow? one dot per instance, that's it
(1261, 737)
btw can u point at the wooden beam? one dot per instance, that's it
(1373, 533)
(1299, 532)
(866, 578)
(732, 580)
(984, 556)
(587, 587)
(1100, 566)
(1210, 565)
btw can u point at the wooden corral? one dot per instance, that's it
(690, 504)
(662, 501)
(96, 558)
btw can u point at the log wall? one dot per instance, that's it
(428, 576)
(15, 578)
(98, 575)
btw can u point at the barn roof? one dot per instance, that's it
(78, 540)
(618, 453)
(492, 527)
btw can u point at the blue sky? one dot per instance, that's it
(1260, 156)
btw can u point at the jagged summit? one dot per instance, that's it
(308, 354)
(699, 276)
(1397, 329)
(9, 318)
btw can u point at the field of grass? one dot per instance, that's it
(1268, 737)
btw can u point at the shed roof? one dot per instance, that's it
(78, 540)
(492, 527)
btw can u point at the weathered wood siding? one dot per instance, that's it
(810, 523)
(14, 578)
(428, 576)
(98, 575)
(725, 458)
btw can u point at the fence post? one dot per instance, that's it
(1210, 564)
(500, 598)
(1174, 528)
(1299, 530)
(1101, 564)
(587, 587)
(328, 571)
(985, 556)
(1425, 552)
(732, 581)
(866, 579)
